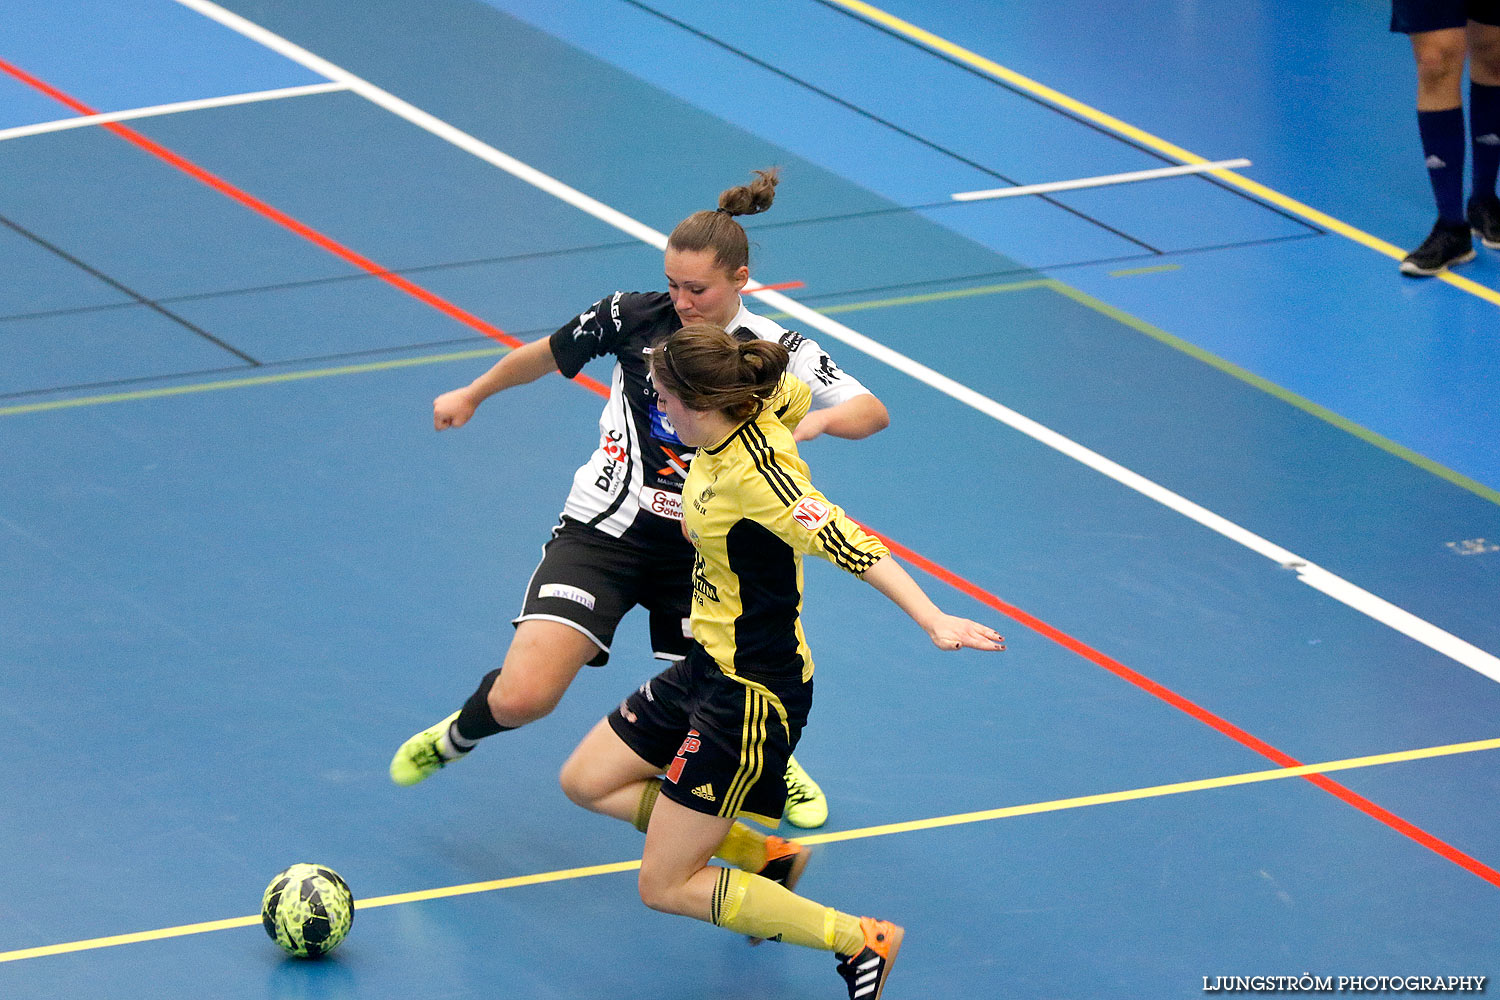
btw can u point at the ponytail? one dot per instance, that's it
(718, 232)
(709, 369)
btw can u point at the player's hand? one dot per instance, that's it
(452, 409)
(948, 632)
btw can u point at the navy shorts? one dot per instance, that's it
(1411, 17)
(722, 741)
(588, 580)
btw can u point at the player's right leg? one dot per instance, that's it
(574, 600)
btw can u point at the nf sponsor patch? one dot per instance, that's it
(567, 593)
(812, 513)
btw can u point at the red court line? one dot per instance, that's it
(1141, 681)
(779, 287)
(1198, 712)
(276, 215)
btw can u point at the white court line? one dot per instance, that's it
(1089, 182)
(1309, 573)
(157, 110)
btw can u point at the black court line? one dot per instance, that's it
(956, 281)
(487, 261)
(111, 282)
(1064, 112)
(750, 228)
(335, 279)
(870, 213)
(271, 366)
(885, 123)
(985, 277)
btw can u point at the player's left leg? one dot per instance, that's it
(676, 878)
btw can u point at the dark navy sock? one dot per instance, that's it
(1443, 146)
(475, 720)
(1484, 126)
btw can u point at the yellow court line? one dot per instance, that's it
(1029, 809)
(239, 383)
(1114, 124)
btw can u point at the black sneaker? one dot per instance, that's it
(1484, 220)
(867, 972)
(1445, 246)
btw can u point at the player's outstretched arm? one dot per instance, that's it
(852, 419)
(526, 363)
(946, 631)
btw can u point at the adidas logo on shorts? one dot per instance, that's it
(705, 791)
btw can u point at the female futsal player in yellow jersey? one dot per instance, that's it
(707, 739)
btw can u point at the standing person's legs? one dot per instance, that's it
(1484, 127)
(1439, 45)
(1440, 115)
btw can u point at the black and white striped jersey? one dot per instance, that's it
(634, 479)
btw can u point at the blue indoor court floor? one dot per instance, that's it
(1228, 483)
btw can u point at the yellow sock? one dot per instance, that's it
(743, 848)
(647, 803)
(761, 908)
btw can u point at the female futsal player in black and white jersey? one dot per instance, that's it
(619, 542)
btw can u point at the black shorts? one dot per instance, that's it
(1411, 17)
(588, 580)
(721, 741)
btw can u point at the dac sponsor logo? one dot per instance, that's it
(615, 455)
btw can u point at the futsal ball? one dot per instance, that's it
(307, 909)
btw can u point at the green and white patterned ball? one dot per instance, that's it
(307, 909)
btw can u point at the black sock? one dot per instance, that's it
(475, 720)
(1484, 126)
(1443, 145)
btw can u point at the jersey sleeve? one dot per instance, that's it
(792, 401)
(593, 333)
(778, 495)
(830, 384)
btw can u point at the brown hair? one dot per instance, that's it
(709, 369)
(717, 230)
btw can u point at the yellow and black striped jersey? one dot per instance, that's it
(751, 512)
